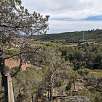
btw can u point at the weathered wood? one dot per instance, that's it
(10, 88)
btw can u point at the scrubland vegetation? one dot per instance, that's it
(48, 68)
(59, 70)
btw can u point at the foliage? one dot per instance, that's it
(26, 83)
(72, 37)
(88, 55)
(68, 87)
(14, 19)
(54, 73)
(12, 51)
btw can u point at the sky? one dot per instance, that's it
(68, 15)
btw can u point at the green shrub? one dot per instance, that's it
(12, 51)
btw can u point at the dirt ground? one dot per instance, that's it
(12, 63)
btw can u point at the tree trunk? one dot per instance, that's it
(4, 78)
(5, 86)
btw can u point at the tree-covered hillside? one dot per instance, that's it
(92, 35)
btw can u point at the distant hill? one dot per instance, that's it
(95, 35)
(94, 18)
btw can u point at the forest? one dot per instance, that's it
(40, 67)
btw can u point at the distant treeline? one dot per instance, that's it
(91, 35)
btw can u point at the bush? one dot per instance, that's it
(12, 51)
(68, 87)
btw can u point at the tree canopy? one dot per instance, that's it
(15, 19)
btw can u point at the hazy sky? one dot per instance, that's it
(68, 15)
